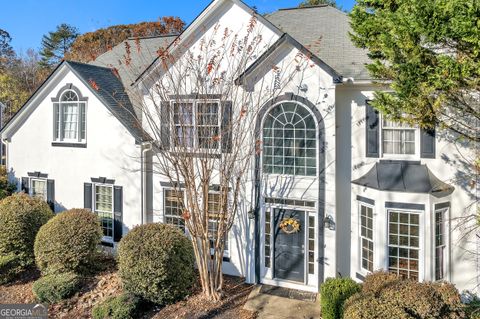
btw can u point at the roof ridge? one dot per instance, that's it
(323, 5)
(154, 36)
(88, 64)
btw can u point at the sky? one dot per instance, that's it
(28, 20)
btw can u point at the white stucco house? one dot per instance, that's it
(369, 194)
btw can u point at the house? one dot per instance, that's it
(370, 193)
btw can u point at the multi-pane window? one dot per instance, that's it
(398, 138)
(214, 216)
(70, 118)
(366, 237)
(197, 125)
(440, 244)
(268, 238)
(38, 188)
(289, 141)
(104, 209)
(173, 208)
(404, 244)
(311, 245)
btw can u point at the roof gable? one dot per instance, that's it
(324, 30)
(104, 85)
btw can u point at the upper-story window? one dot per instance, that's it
(69, 116)
(197, 125)
(398, 138)
(289, 141)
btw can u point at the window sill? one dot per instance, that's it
(64, 144)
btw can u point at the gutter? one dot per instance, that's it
(143, 186)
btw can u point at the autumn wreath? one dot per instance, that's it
(290, 226)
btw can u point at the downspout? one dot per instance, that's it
(143, 186)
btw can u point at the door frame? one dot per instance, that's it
(258, 202)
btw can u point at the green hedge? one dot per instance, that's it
(20, 219)
(156, 263)
(68, 242)
(120, 307)
(55, 287)
(334, 292)
(9, 268)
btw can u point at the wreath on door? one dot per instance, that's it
(290, 226)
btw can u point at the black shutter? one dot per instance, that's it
(165, 124)
(87, 195)
(372, 133)
(226, 129)
(25, 184)
(51, 193)
(427, 143)
(118, 213)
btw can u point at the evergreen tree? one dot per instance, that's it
(308, 3)
(429, 52)
(56, 44)
(7, 55)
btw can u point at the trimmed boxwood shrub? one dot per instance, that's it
(119, 307)
(334, 292)
(68, 242)
(156, 263)
(399, 298)
(55, 287)
(21, 216)
(9, 267)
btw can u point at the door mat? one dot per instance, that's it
(288, 293)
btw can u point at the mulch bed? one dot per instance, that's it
(106, 283)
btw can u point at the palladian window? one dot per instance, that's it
(69, 115)
(289, 141)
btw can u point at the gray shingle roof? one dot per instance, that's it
(110, 90)
(404, 176)
(324, 30)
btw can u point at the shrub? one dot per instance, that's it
(21, 216)
(68, 242)
(379, 280)
(9, 267)
(55, 287)
(333, 294)
(156, 263)
(120, 307)
(6, 188)
(398, 298)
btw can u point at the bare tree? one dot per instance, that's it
(201, 115)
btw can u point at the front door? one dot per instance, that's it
(289, 244)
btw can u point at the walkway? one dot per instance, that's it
(280, 303)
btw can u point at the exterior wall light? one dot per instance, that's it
(329, 223)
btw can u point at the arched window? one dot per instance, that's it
(69, 114)
(289, 141)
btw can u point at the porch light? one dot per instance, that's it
(251, 214)
(329, 223)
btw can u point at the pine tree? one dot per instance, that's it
(308, 3)
(56, 44)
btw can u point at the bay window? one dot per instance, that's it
(404, 244)
(366, 237)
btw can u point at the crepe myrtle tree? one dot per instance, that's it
(200, 114)
(210, 139)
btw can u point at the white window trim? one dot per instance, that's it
(364, 271)
(164, 215)
(78, 140)
(446, 215)
(421, 244)
(195, 146)
(39, 179)
(414, 156)
(106, 239)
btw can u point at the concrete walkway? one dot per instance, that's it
(268, 306)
